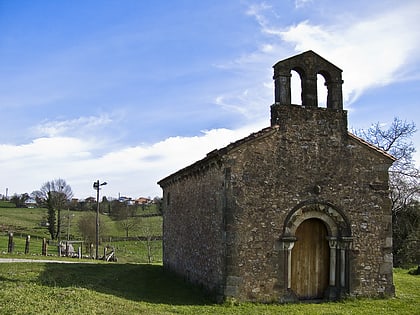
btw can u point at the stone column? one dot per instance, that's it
(344, 246)
(287, 246)
(282, 91)
(335, 94)
(309, 91)
(332, 242)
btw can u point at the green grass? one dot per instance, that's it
(6, 204)
(40, 288)
(28, 221)
(23, 222)
(127, 287)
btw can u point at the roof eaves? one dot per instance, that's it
(215, 155)
(371, 146)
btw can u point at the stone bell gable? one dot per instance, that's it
(296, 211)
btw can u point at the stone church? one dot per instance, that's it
(299, 210)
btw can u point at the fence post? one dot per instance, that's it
(10, 245)
(44, 247)
(28, 240)
(79, 252)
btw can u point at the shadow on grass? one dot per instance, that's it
(148, 283)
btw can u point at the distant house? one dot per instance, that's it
(127, 200)
(90, 200)
(143, 201)
(299, 210)
(31, 203)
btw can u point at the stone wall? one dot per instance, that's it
(224, 216)
(310, 157)
(193, 227)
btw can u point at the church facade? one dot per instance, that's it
(297, 211)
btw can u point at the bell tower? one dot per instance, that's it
(308, 65)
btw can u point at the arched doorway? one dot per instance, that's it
(315, 243)
(310, 260)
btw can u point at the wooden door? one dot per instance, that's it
(310, 260)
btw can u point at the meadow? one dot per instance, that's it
(114, 288)
(24, 221)
(132, 286)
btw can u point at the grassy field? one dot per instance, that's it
(129, 287)
(24, 221)
(50, 288)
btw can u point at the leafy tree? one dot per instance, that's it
(19, 200)
(55, 194)
(404, 185)
(158, 201)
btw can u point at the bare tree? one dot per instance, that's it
(404, 185)
(396, 140)
(55, 194)
(129, 224)
(87, 227)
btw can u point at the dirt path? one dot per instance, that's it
(18, 260)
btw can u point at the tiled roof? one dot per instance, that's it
(216, 154)
(371, 146)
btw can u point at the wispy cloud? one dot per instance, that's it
(81, 125)
(302, 3)
(373, 51)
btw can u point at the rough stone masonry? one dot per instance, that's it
(297, 211)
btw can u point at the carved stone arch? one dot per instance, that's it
(326, 75)
(336, 222)
(303, 82)
(338, 237)
(334, 83)
(328, 221)
(300, 71)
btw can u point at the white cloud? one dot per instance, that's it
(374, 51)
(301, 3)
(131, 171)
(79, 125)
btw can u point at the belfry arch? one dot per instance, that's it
(338, 237)
(308, 65)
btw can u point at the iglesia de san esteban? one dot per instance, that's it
(297, 211)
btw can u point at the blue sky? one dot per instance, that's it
(130, 91)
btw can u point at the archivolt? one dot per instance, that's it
(336, 222)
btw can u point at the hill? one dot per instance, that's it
(31, 221)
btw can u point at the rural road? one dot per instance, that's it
(17, 260)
